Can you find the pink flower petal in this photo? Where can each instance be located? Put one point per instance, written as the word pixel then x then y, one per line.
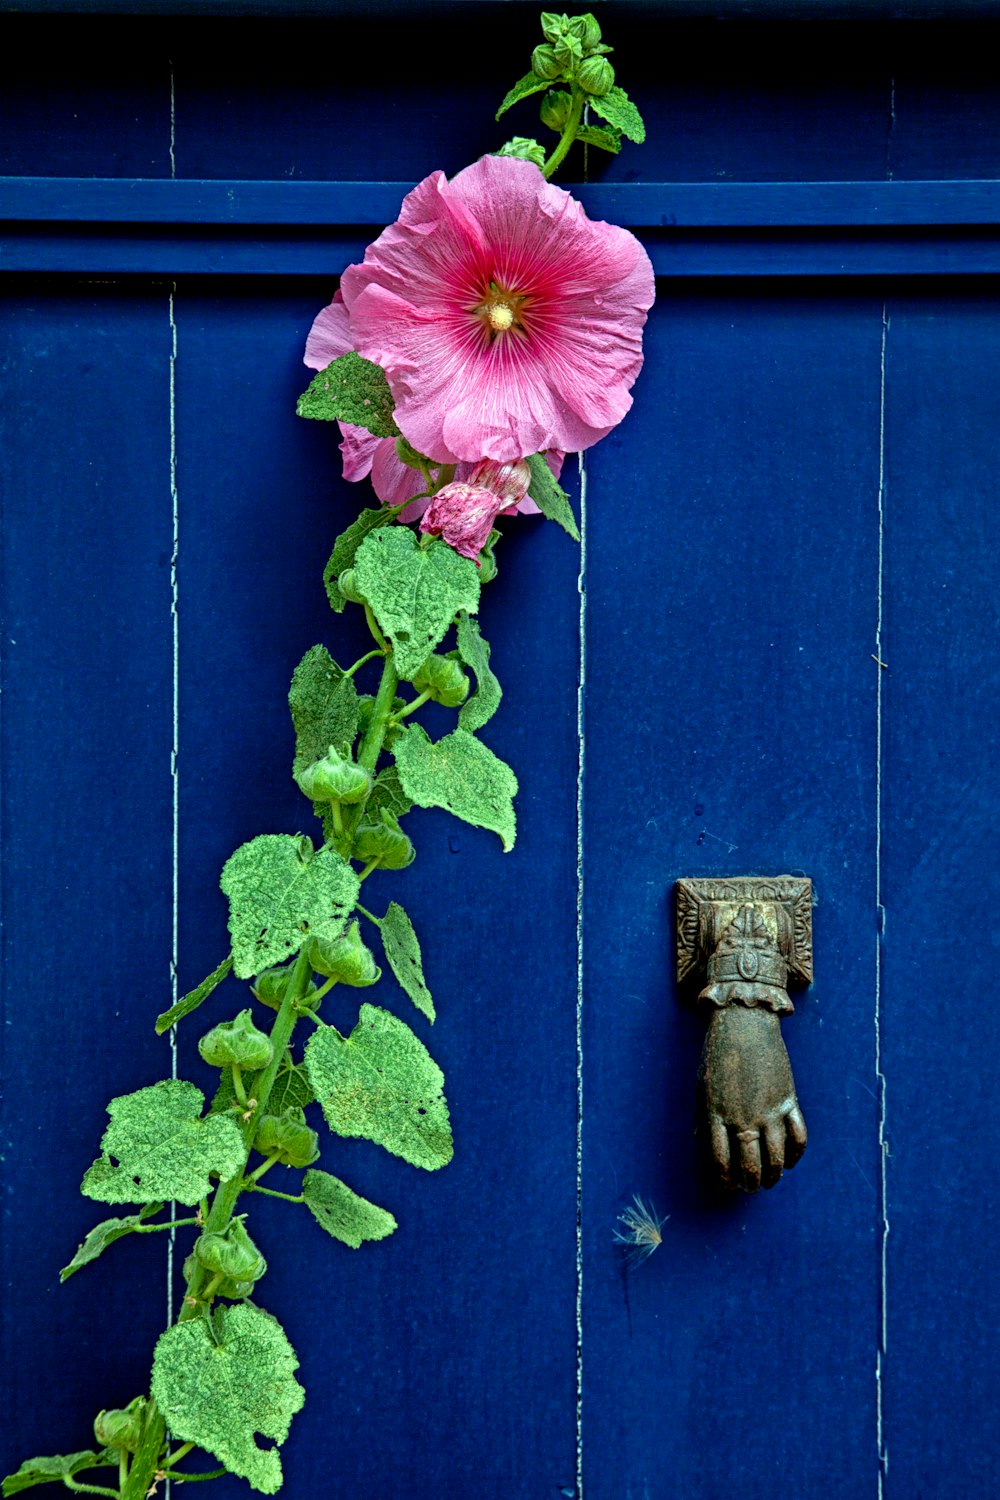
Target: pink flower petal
pixel 330 335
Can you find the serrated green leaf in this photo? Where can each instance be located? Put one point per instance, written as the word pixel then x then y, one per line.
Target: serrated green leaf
pixel 162 1148
pixel 402 949
pixel 475 652
pixel 414 591
pixel 54 1469
pixel 617 108
pixel 324 705
pixel 104 1234
pixel 343 1213
pixel 194 998
pixel 523 89
pixel 594 135
pixel 381 1083
pixel 346 546
pixel 281 892
pixel 219 1387
pixel 461 774
pixel 551 499
pixel 387 795
pixel 351 389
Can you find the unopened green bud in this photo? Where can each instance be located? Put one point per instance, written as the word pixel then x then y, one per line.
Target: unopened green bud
pixel 347 585
pixel 596 76
pixel 121 1427
pixel 586 30
pixel 525 148
pixel 544 62
pixel 444 680
pixel 385 842
pixel 233 1253
pixel 568 52
pixel 236 1044
pixel 555 108
pixel 554 25
pixel 335 778
pixel 409 456
pixel 235 1288
pixel 287 1137
pixel 345 958
pixel 269 988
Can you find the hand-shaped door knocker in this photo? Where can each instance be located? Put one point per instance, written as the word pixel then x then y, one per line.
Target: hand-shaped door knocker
pixel 748 937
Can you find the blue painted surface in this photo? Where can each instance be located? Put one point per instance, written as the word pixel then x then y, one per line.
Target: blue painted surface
pixel 799 449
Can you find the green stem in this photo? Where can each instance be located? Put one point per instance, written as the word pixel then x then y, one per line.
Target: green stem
pixel 238 1088
pixel 411 708
pixel 338 816
pixel 369 867
pixel 324 989
pixel 445 475
pixel 88 1489
pixel 227 1193
pixel 361 661
pixel 568 136
pixel 175 1457
pixel 273 1193
pixel 255 1176
pixel 373 627
pixel 122 1469
pixel 212 1474
pixel 170 1224
pixel 365 913
pixel 371 745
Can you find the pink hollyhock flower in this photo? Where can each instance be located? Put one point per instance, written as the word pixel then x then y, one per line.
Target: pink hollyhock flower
pixel 393 481
pixel 506 321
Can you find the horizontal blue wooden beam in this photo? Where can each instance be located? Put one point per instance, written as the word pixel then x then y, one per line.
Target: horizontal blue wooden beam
pixel 119 251
pixel 162 227
pixel 103 200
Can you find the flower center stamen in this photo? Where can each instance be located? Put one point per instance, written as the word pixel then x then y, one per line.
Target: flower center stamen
pixel 500 316
pixel 501 311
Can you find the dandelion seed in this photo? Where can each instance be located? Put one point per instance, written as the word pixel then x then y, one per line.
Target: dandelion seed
pixel 642 1230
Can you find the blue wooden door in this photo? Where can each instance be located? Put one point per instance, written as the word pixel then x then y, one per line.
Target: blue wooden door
pixel 774 652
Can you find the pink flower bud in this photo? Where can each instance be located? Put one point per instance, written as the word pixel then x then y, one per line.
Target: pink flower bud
pixel 463 515
pixel 508 481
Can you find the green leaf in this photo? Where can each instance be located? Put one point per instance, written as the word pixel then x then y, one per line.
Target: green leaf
pixel 280 893
pixel 291 1090
pixel 415 591
pixel 402 949
pixel 219 1384
pixel 381 1083
pixel 324 705
pixel 387 794
pixel 475 652
pixel 162 1148
pixel 551 499
pixel 346 546
pixel 196 997
pixel 523 89
pixel 104 1234
pixel 461 774
pixel 594 135
pixel 342 1212
pixel 617 108
pixel 351 389
pixel 52 1470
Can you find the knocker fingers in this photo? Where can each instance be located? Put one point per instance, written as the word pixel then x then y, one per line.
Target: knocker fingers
pixel 795 1126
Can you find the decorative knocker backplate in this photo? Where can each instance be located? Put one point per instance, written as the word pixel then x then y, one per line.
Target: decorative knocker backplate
pixel 747 938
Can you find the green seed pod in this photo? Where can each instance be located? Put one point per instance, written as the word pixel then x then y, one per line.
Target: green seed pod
pixel 121 1427
pixel 596 76
pixel 232 1252
pixel 346 959
pixel 384 841
pixel 347 584
pixel 554 25
pixel 288 1137
pixel 444 680
pixel 555 108
pixel 236 1044
pixel 586 30
pixel 544 62
pixel 525 148
pixel 335 778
